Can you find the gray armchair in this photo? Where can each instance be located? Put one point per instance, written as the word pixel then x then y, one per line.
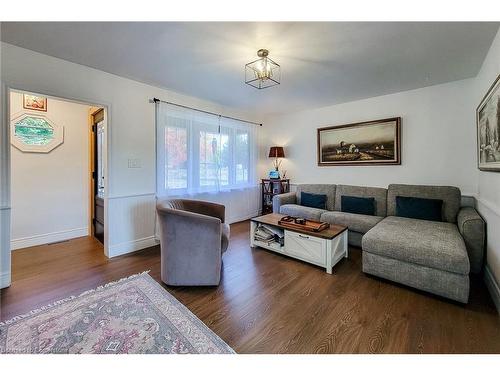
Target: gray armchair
pixel 193 237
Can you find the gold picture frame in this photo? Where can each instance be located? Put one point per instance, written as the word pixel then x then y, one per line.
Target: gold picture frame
pixel 376 142
pixel 35 102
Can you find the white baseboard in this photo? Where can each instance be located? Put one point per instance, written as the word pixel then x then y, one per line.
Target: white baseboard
pixel 492 286
pixel 5 280
pixel 131 246
pixel 42 239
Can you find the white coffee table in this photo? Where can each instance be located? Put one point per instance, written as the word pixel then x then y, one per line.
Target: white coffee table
pixel 324 249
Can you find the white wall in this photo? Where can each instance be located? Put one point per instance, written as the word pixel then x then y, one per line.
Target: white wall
pixel 489 182
pixel 438 139
pixel 131 131
pixel 50 192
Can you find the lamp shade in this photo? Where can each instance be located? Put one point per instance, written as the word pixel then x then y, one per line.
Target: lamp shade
pixel 276 152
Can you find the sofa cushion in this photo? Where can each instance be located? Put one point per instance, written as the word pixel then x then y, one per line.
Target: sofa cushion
pixel 355 222
pixel 448 194
pixel 301 211
pixel 358 205
pixel 313 200
pixel 443 283
pixel 380 195
pixel 419 208
pixel 225 232
pixel 428 243
pixel 327 189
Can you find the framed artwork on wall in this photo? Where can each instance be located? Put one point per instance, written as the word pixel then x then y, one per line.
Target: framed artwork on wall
pixel 35 133
pixel 33 102
pixel 488 129
pixel 375 142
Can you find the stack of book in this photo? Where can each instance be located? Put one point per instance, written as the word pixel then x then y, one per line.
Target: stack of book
pixel 269 234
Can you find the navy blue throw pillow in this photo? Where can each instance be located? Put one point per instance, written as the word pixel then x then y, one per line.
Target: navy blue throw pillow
pixel 313 200
pixel 419 208
pixel 357 205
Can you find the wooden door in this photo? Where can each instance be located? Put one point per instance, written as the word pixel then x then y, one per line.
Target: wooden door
pixel 98 175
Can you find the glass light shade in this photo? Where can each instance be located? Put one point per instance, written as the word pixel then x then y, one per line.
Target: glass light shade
pixel 262 73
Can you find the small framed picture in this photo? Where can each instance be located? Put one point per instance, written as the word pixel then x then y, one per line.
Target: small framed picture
pixel 33 102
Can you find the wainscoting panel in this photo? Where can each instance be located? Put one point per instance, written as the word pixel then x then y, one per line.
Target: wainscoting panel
pixel 4 247
pixel 131 223
pixel 492 286
pixel 491 214
pixel 241 204
pixel 131 219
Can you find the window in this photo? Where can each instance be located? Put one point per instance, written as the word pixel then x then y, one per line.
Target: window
pixel 198 152
pixel 210 158
pixel 176 157
pixel 242 160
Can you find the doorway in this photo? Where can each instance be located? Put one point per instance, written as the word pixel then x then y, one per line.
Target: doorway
pixel 44 212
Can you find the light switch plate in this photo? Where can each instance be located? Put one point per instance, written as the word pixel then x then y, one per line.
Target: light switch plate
pixel 134 163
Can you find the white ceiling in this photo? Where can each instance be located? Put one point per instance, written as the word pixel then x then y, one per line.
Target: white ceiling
pixel 322 63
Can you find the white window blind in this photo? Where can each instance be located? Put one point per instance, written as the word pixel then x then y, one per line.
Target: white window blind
pixel 199 152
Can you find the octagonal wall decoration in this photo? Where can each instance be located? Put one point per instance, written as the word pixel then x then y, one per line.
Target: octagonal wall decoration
pixel 35 133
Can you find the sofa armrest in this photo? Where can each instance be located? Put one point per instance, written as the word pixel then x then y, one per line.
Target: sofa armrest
pixel 281 199
pixel 472 228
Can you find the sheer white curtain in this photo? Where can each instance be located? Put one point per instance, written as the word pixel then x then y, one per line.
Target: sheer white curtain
pixel 199 152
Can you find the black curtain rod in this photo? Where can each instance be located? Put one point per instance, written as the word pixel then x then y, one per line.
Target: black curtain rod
pixel 156 100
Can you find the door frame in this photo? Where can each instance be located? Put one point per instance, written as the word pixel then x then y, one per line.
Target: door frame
pixel 5 168
pixel 93 183
pixel 5 262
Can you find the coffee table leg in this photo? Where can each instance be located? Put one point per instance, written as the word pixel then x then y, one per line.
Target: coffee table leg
pixel 345 238
pixel 336 249
pixel 329 255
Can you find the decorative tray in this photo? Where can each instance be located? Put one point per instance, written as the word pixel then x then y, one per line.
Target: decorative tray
pixel 308 225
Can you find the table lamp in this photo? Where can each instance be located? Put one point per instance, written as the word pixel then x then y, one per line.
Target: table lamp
pixel 276 152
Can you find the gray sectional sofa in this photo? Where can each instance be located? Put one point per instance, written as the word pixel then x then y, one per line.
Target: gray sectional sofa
pixel 433 256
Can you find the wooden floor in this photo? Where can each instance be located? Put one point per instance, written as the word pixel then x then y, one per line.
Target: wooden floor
pixel 268 303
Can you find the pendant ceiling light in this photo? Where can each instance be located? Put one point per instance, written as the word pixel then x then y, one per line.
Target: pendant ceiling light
pixel 262 73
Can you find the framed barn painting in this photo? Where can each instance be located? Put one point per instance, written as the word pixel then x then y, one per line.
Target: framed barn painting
pixel 488 129
pixel 33 102
pixel 375 142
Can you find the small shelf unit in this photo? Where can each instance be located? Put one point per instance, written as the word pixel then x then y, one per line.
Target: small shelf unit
pixel 270 188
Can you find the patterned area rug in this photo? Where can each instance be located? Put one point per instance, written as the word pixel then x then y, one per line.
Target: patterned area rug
pixel 132 315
